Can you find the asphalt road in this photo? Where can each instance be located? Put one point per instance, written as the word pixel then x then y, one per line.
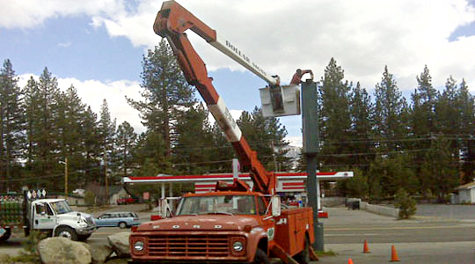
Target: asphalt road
pixel 425 239
pixel 354 226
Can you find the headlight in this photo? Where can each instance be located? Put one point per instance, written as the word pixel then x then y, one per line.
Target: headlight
pixel 138 246
pixel 237 246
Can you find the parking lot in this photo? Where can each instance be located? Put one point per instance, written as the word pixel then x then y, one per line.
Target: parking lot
pixel 424 239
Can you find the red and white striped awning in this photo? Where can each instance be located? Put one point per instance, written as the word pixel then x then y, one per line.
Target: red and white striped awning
pixel 286 181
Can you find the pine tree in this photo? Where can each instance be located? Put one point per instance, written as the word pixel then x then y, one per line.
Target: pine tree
pixel 69 122
pixel 466 103
pixel 166 93
pixel 106 131
pixel 334 115
pixel 389 114
pixel 191 153
pixel 126 141
pixel 361 128
pixel 266 136
pixel 92 147
pixel 220 151
pixel 11 123
pixel 44 130
pixel 439 171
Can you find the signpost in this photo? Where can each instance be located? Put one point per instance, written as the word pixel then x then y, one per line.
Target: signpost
pixel 283 101
pixel 310 150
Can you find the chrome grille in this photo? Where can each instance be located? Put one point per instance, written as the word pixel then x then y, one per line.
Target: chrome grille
pixel 187 245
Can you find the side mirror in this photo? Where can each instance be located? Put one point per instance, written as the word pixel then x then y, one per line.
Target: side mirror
pixel 276 210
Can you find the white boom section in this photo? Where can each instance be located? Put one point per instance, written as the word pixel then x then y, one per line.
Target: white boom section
pixel 234 53
pixel 224 119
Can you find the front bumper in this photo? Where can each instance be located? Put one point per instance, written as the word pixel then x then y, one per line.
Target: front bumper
pixel 86 230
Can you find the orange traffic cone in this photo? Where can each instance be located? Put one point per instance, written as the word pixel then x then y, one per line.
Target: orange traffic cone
pixel 350 261
pixel 394 256
pixel 365 247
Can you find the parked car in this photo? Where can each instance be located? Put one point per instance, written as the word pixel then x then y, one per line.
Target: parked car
pixel 128 200
pixel 120 219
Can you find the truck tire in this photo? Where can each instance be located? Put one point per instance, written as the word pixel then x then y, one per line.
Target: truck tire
pixel 122 225
pixel 6 235
pixel 67 232
pixel 304 256
pixel 261 257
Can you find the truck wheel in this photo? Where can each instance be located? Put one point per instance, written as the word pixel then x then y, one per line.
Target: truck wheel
pixel 304 256
pixel 261 257
pixel 6 235
pixel 122 225
pixel 67 232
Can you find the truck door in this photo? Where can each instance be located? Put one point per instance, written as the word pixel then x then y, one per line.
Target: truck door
pixel 43 217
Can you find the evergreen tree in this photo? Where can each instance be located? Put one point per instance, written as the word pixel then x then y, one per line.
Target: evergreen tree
pixel 92 147
pixel 466 103
pixel 221 151
pixel 361 128
pixel 439 171
pixel 389 114
pixel 446 109
pixel 166 93
pixel 194 138
pixel 32 98
pixel 69 122
pixel 423 118
pixel 106 131
pixel 44 130
pixel 266 136
pixel 150 153
pixel 423 110
pixel 335 115
pixel 126 141
pixel 11 123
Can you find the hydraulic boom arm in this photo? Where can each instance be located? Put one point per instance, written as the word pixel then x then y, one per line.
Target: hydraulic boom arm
pixel 171 22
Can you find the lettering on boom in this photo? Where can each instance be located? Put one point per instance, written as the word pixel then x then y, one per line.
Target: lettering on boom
pixel 244 57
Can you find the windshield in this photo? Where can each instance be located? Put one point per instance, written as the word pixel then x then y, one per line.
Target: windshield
pixel 61 207
pixel 223 204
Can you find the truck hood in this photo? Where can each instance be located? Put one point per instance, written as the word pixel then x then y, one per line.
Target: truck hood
pixel 74 217
pixel 200 223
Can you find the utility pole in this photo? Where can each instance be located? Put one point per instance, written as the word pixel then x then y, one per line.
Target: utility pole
pixel 106 182
pixel 65 163
pixel 66 178
pixel 310 149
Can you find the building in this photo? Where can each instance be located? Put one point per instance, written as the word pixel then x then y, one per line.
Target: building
pixel 466 193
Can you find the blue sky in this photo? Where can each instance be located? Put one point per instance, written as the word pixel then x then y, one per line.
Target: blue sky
pixel 98 45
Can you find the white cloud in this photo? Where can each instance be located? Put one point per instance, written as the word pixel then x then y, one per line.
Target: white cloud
pixel 282 35
pixel 92 92
pixel 65 44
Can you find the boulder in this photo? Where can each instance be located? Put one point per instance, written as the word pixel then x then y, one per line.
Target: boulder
pixel 120 243
pixel 55 250
pixel 99 252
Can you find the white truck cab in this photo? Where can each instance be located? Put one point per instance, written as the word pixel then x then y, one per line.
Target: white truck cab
pixel 56 217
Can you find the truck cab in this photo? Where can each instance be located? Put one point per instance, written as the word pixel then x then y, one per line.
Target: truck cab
pixel 51 216
pixel 56 217
pixel 219 226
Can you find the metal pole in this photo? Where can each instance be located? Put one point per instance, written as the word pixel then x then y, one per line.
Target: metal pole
pixel 66 178
pixel 310 149
pixel 106 182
